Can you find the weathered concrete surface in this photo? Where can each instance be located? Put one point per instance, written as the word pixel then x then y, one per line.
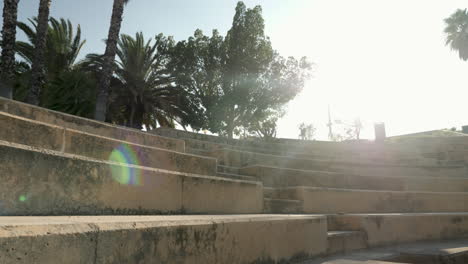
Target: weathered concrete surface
pixel 330 201
pixel 391 229
pixel 282 177
pixel 89 126
pixel 377 156
pixel 444 252
pixel 162 239
pixel 341 242
pixel 282 206
pixel 39 182
pixel 236 158
pixel 306 147
pixel 42 135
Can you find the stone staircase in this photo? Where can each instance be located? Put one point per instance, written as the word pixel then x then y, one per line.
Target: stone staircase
pixel 79 191
pixel 372 195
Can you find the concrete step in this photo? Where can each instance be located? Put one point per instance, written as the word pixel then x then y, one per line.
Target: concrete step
pixel 268 192
pixel 342 242
pixel 89 126
pixel 282 206
pixel 331 201
pixel 453 252
pixel 391 229
pixel 331 149
pixel 44 182
pixel 235 239
pixel 236 177
pixel 231 170
pixel 282 177
pixel 244 159
pixel 199 152
pixel 42 135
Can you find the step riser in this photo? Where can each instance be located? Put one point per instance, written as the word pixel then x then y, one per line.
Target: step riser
pixel 345 201
pixel 223 242
pixel 346 243
pixel 383 230
pixel 278 177
pixel 27 132
pixel 273 206
pixel 38 183
pixel 230 170
pixel 89 126
pixel 236 177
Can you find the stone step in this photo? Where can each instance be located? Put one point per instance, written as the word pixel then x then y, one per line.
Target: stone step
pixel 236 176
pixel 244 159
pixel 434 252
pixel 332 201
pixel 391 229
pixel 342 242
pixel 44 182
pixel 89 126
pixel 37 134
pixel 235 239
pixel 268 192
pixel 307 147
pixel 231 170
pixel 199 152
pixel 282 206
pixel 281 177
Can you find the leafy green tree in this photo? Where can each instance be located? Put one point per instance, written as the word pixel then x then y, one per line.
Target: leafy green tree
pixel 456 30
pixel 240 79
pixel 37 66
pixel 197 66
pixel 306 131
pixel 108 59
pixel 352 130
pixel 10 15
pixel 266 129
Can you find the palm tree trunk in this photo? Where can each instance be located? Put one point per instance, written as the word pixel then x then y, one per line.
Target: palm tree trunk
pixel 37 68
pixel 10 16
pixel 109 56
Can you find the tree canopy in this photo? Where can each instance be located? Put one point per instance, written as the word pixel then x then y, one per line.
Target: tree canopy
pixel 229 84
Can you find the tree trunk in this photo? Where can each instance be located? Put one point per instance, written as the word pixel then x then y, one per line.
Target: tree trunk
pixel 108 63
pixel 10 16
pixel 37 68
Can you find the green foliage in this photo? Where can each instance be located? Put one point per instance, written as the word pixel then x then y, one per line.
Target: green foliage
pixel 63 45
pixel 67 89
pixel 228 85
pixel 72 92
pixel 306 131
pixel 349 130
pixel 144 91
pixel 240 79
pixel 457 32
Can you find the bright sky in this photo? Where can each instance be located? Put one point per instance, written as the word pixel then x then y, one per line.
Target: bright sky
pixel 380 60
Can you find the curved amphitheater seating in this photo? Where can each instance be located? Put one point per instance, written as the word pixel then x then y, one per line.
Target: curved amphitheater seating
pixel 372 194
pixel 79 191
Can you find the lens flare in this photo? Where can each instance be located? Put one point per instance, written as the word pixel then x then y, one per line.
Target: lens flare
pixel 22 198
pixel 126 175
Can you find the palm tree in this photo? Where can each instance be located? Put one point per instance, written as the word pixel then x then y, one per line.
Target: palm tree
pixel 144 91
pixel 108 59
pixel 62 47
pixel 10 15
pixel 67 88
pixel 457 32
pixel 37 69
